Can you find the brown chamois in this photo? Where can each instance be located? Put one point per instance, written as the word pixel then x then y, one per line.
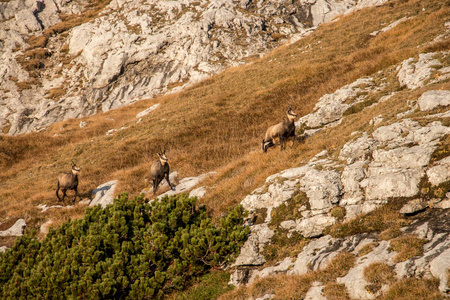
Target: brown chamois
pixel 282 131
pixel 68 181
pixel 160 170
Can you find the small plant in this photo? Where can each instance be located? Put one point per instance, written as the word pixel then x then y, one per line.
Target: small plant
pixel 413 288
pixel 335 291
pixel 390 233
pixel 367 249
pixel 407 247
pixel 375 221
pixel 290 210
pixel 378 274
pixel 338 212
pixel 282 246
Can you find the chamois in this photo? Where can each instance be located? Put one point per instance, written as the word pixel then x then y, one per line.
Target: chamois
pixel 68 181
pixel 282 130
pixel 160 170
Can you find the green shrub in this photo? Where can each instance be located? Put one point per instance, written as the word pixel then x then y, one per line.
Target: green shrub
pixel 130 249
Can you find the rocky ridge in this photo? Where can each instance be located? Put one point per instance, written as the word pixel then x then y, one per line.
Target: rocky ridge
pixel 133 50
pixel 395 159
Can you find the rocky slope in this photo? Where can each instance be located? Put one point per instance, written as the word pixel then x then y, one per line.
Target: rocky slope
pixel 402 157
pixel 56 65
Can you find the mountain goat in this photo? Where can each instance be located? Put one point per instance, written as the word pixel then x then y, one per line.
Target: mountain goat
pixel 282 131
pixel 68 181
pixel 160 170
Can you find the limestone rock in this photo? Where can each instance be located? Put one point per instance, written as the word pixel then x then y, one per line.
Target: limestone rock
pixel 440 172
pixel 15 230
pixel 413 206
pixel 250 253
pixel 198 192
pixel 314 226
pixel 104 194
pixel 280 267
pixel 147 111
pixel 46 226
pixel 354 280
pixel 331 107
pixel 315 292
pixel 323 188
pixel 185 184
pixel 136 50
pixel 439 267
pixel 432 99
pixel 413 73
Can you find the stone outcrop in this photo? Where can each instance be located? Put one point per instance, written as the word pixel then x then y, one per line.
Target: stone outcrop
pixel 104 194
pixel 15 230
pixel 135 50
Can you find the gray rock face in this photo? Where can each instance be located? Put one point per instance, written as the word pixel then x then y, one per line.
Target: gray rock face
pixel 136 50
pixel 354 280
pixel 432 99
pixel 413 206
pixel 15 230
pixel 440 172
pixel 104 194
pixel 323 188
pixel 414 73
pixel 331 107
pixel 250 252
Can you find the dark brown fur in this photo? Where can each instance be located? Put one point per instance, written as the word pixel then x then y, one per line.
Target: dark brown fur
pixel 159 170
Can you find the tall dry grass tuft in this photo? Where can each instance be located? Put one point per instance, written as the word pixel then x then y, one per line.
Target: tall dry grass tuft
pixel 413 288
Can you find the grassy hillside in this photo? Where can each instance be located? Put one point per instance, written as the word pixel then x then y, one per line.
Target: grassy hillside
pixel 218 124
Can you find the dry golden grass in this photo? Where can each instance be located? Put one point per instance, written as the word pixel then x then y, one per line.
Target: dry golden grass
pixel 414 288
pixel 218 124
pixel 407 247
pixel 293 286
pixel 378 274
pixel 334 291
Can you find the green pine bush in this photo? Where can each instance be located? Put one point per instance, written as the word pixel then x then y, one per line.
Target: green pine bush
pixel 131 249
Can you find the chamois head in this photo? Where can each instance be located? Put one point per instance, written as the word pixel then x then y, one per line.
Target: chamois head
pixel 75 168
pixel 290 113
pixel 162 156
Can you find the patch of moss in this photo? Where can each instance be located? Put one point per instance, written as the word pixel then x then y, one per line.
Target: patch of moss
pixel 338 212
pixel 284 244
pixel 290 209
pixel 375 221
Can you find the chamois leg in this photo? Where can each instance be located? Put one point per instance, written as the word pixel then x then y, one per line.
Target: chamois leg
pixel 155 186
pixel 172 187
pixel 268 145
pixel 281 143
pixel 293 140
pixel 57 190
pixel 75 197
pixel 64 194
